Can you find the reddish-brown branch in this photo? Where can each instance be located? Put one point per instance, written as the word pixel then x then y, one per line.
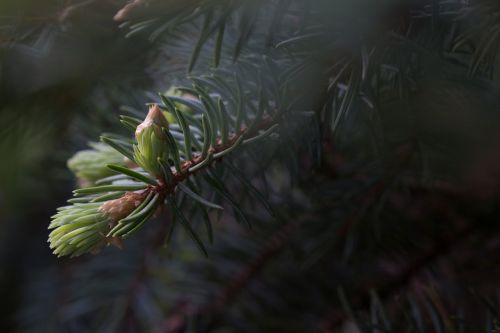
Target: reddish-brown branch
pixel 166 188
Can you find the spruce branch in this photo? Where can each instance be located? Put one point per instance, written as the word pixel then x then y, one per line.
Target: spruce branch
pixel 181 149
pixel 157 153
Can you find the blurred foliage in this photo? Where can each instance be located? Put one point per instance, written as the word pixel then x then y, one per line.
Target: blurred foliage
pixel 373 207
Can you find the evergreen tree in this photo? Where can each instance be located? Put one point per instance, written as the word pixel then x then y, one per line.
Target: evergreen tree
pixel 275 166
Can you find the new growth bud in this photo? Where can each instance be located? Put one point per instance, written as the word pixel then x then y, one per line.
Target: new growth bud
pixel 90 165
pixel 154 117
pixel 174 91
pixel 82 228
pixel 152 142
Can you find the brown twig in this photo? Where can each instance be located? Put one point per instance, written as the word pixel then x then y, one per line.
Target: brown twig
pixel 166 188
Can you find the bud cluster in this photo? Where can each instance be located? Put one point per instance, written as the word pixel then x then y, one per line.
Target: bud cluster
pixel 82 228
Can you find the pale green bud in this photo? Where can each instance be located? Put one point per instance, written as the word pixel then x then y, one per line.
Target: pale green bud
pixel 151 141
pixel 82 228
pixel 174 91
pixel 90 165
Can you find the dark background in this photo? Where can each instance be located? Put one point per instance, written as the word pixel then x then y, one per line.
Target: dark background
pixel 65 71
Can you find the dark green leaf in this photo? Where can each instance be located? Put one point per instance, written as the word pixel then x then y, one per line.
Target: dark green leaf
pixel 118 147
pixel 133 174
pixel 207 133
pixel 219 187
pixel 174 150
pixel 108 196
pixel 218 44
pixel 197 197
pixel 186 225
pixel 109 188
pixel 256 193
pixel 167 172
pixel 224 119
